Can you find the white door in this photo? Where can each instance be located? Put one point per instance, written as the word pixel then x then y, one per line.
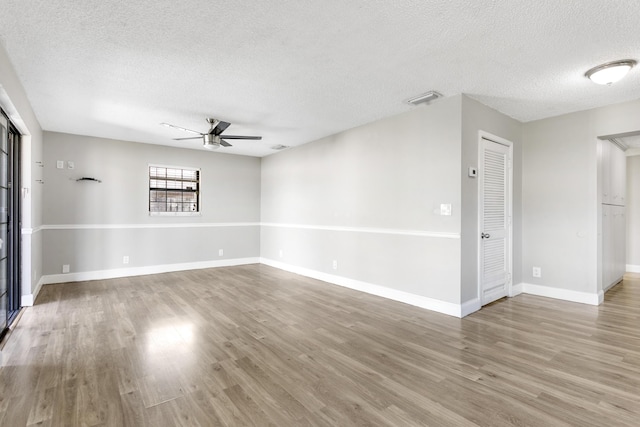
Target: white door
pixel 495 220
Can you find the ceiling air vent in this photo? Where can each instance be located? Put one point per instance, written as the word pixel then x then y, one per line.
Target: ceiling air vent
pixel 279 147
pixel 424 98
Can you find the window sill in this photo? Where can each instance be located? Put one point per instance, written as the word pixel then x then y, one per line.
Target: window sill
pixel 175 214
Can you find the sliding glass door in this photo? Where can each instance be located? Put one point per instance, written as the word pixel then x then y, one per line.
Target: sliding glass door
pixel 9 222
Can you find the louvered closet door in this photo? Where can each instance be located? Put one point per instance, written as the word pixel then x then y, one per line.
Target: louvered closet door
pixel 494 221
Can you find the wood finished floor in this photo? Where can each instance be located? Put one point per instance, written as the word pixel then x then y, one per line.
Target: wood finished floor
pixel 253 345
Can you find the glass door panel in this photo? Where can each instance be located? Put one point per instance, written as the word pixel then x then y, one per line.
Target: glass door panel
pixel 4 223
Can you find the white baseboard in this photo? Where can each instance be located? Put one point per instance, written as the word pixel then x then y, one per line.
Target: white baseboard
pixel 469 307
pixel 563 294
pixel 29 299
pixel 443 307
pixel 633 268
pixel 516 289
pixel 141 271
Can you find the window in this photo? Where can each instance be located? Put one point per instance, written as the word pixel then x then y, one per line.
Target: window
pixel 174 190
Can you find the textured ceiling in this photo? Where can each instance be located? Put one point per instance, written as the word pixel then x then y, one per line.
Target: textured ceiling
pixel 296 71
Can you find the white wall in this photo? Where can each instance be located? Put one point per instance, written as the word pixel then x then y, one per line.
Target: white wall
pixel 560 198
pixel 91 226
pixel 633 213
pixel 14 101
pixel 367 198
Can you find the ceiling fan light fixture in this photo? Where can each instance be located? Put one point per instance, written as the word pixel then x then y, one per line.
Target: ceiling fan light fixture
pixel 610 72
pixel 211 142
pixel 211 146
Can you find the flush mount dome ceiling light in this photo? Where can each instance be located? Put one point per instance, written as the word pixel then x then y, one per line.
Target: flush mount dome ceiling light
pixel 610 72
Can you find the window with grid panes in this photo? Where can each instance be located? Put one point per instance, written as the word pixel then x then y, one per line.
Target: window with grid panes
pixel 174 190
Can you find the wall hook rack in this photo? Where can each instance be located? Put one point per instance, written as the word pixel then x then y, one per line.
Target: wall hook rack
pixel 88 178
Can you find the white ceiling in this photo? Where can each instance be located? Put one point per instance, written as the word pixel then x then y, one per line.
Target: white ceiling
pixel 295 71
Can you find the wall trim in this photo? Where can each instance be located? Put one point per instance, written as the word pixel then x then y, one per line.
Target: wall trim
pixel 394 231
pixel 31 230
pixel 29 299
pixel 564 294
pixel 115 273
pixel 443 307
pixel 158 225
pixel 633 268
pixel 373 230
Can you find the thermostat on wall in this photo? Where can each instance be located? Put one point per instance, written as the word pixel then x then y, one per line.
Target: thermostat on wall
pixel 473 172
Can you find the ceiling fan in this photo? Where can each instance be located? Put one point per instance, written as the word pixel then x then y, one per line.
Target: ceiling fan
pixel 214 138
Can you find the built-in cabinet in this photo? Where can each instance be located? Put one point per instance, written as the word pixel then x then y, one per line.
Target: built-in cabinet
pixel 613 167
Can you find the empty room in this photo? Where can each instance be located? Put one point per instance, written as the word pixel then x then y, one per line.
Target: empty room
pixel 410 213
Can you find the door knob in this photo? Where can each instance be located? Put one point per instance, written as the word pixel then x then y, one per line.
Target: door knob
pixel 485 235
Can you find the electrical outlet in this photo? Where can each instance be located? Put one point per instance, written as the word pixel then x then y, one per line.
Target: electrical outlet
pixel 281 253
pixel 125 259
pixel 445 209
pixel 537 272
pixel 220 252
pixel 335 264
pixel 65 268
pixel 60 164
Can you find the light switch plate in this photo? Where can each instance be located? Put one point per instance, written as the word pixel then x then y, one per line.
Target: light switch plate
pixel 60 164
pixel 71 165
pixel 445 209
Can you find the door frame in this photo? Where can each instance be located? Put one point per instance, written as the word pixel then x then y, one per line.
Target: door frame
pixel 498 140
pixel 15 211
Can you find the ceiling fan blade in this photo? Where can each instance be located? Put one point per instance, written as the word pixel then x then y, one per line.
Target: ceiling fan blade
pixel 169 125
pixel 213 123
pixel 220 128
pixel 225 143
pixel 256 138
pixel 183 139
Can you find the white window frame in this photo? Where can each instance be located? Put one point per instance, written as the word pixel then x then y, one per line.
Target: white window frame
pixel 191 168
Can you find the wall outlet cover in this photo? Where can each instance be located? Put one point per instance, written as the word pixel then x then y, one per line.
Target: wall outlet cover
pixel 537 272
pixel 65 268
pixel 445 209
pixel 60 164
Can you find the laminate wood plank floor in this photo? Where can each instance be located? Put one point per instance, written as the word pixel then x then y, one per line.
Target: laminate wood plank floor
pixel 256 346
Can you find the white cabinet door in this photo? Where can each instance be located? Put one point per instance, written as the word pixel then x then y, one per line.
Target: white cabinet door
pixel 614 224
pixel 605 169
pixel 608 246
pixel 620 242
pixel 618 175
